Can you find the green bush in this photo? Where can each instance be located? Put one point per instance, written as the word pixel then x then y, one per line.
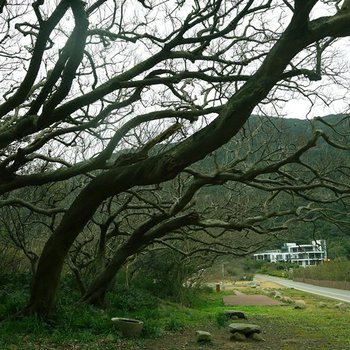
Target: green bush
pixel 222 319
pixel 173 324
pixel 131 299
pixel 246 277
pixel 279 269
pixel 331 271
pixel 165 275
pixel 14 293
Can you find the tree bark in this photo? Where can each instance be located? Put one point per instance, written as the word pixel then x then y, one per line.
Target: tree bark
pixel 46 279
pixel 96 293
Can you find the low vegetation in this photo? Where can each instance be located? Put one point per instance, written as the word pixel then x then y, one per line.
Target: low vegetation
pixel 166 322
pixel 330 271
pixel 335 270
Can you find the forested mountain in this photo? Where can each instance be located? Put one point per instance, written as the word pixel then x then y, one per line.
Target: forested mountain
pixel 272 137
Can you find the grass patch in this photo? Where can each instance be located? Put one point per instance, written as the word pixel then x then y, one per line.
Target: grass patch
pixel 317 327
pixel 84 327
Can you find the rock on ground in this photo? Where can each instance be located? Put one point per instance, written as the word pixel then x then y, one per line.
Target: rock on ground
pixel 341 306
pixel 287 300
pixel 299 304
pixel 238 336
pixel 278 295
pixel 203 337
pixel 244 328
pixel 253 284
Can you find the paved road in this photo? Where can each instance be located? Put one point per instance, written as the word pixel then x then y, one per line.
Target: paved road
pixel 339 294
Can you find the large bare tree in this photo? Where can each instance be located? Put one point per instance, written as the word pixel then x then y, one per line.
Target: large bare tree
pixel 85 81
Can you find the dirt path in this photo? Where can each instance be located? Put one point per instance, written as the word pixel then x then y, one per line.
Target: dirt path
pixel 245 299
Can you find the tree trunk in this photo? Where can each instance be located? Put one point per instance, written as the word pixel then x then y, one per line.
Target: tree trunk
pixel 144 236
pixel 45 282
pixel 46 279
pixel 96 293
pixel 159 168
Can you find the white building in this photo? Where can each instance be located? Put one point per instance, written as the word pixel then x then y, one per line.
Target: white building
pixel 301 254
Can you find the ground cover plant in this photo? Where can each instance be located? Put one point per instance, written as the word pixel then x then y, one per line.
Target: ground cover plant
pixel 169 325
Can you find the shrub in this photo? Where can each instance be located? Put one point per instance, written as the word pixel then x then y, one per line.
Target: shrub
pixel 331 271
pixel 165 275
pixel 131 299
pixel 222 319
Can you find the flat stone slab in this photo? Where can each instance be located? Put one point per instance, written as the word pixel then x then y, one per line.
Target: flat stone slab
pixel 245 299
pixel 244 328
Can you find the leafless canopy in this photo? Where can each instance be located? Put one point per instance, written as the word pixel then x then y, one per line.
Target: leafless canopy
pixel 131 93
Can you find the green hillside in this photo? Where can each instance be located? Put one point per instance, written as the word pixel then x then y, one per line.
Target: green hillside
pixel 262 135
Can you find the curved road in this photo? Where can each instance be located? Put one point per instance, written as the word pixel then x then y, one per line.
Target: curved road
pixel 339 294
